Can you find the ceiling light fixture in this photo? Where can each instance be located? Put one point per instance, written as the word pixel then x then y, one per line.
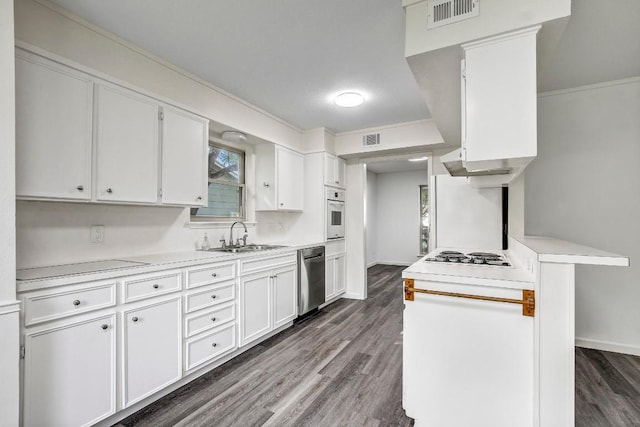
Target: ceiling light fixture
pixel 349 99
pixel 233 136
pixel 418 159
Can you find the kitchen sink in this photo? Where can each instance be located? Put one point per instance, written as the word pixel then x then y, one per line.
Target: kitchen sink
pixel 248 248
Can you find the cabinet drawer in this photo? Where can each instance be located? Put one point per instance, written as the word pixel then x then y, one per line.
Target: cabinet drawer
pixel 141 287
pixel 262 263
pixel 210 274
pixel 211 296
pixel 199 322
pixel 206 348
pixel 44 306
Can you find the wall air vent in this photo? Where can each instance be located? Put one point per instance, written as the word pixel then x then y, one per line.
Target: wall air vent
pixel 371 139
pixel 443 12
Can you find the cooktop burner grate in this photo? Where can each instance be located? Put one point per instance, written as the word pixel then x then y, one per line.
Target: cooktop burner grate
pixel 472 258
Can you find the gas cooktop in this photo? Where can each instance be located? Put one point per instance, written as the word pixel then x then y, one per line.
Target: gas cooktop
pixel 471 258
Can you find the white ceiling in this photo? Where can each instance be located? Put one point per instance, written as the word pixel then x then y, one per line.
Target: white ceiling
pixel 287 56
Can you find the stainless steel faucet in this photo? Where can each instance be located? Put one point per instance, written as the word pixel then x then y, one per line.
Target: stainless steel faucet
pixel 244 238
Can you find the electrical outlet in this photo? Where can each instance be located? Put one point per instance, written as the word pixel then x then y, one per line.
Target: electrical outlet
pixel 97 234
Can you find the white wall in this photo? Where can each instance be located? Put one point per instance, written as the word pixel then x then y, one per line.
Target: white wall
pixel 356 286
pixel 371 218
pixel 466 217
pixel 8 307
pixel 584 187
pixel 398 216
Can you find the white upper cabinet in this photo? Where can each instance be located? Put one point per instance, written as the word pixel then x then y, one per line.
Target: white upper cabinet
pixel 82 138
pixel 54 107
pixel 184 158
pixel 126 146
pixel 290 179
pixel 334 170
pixel 279 179
pixel 499 121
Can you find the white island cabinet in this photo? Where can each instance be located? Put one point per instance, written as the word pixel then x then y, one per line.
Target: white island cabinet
pixel 494 346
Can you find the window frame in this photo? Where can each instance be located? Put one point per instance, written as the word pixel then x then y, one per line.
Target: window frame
pixel 241 185
pixel 428 226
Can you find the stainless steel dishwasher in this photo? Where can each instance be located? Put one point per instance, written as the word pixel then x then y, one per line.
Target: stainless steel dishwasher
pixel 310 279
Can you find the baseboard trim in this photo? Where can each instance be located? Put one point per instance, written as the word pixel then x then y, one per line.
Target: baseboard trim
pixel 353 296
pixel 371 264
pixel 608 346
pixel 402 263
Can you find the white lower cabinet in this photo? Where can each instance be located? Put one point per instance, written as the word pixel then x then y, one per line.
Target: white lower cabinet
pixel 255 306
pixel 285 296
pixel 151 349
pixel 268 300
pixel 206 347
pixel 334 276
pixel 69 372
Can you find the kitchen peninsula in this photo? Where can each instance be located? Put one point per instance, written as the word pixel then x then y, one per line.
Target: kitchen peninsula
pixel 497 341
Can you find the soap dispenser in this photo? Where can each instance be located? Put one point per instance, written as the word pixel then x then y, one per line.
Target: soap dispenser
pixel 205 243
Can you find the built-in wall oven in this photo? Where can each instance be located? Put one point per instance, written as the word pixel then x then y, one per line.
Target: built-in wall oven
pixel 335 214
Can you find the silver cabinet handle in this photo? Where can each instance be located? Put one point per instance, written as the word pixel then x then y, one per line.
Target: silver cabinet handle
pixel 80 188
pixel 281 204
pixel 214 345
pixel 214 275
pixel 265 184
pixel 76 302
pixel 156 286
pixel 199 198
pixel 109 190
pixel 134 319
pixel 213 319
pixel 337 182
pixel 213 296
pixel 105 326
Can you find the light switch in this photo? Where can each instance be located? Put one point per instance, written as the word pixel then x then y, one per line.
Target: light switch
pixel 97 234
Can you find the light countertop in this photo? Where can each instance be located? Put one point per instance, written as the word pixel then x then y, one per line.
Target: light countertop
pixel 561 251
pixel 505 277
pixel 70 274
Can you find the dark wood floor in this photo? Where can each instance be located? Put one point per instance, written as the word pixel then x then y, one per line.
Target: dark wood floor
pixel 343 367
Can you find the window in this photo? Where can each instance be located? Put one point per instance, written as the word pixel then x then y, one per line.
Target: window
pixel 226 184
pixel 424 219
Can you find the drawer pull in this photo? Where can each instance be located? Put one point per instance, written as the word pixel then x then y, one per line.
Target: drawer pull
pixel 76 302
pixel 80 188
pixel 134 319
pixel 213 296
pixel 105 326
pixel 214 275
pixel 156 286
pixel 213 319
pixel 214 345
pixel 109 190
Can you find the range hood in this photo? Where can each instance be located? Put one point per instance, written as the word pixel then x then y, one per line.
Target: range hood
pixel 455 166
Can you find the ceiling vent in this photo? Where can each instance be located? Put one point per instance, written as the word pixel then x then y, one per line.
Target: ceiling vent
pixel 371 139
pixel 444 12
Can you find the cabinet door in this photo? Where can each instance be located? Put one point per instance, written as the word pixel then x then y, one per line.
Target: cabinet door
pixel 152 349
pixel 184 158
pixel 340 274
pixel 340 172
pixel 330 278
pixel 500 113
pixel 329 169
pixel 289 179
pixel 285 306
pixel 69 373
pixel 54 107
pixel 255 306
pixel 127 146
